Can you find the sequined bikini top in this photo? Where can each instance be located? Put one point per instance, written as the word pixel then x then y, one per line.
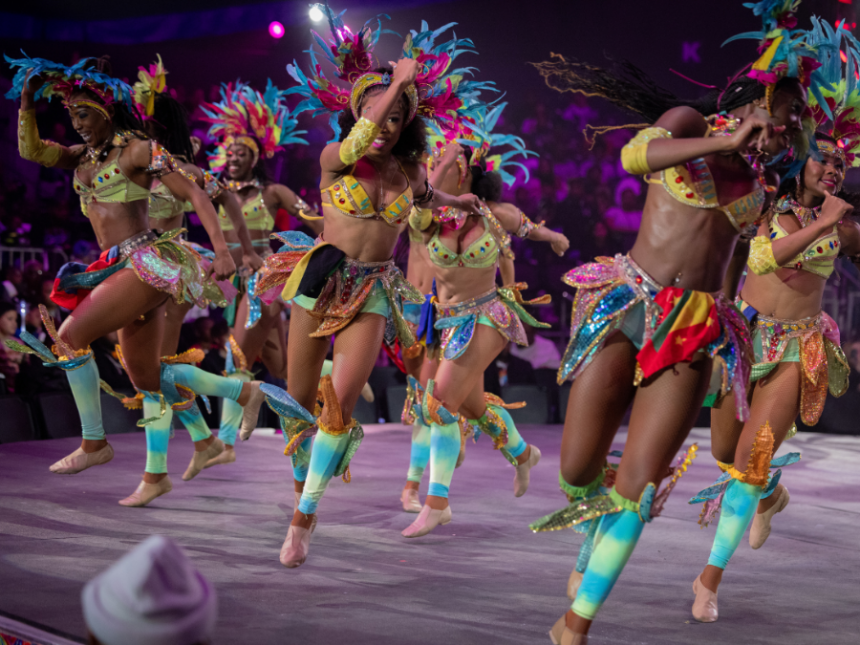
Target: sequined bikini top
pixel 480 254
pixel 349 198
pixel 817 258
pixel 111 185
pixel 257 217
pixel 692 184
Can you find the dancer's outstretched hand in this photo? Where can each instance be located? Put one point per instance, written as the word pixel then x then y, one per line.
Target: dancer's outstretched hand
pixel 753 135
pixel 223 266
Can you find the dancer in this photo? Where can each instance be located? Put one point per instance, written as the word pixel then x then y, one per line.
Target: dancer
pixel 251 127
pixel 796 344
pixel 468 302
pixel 370 179
pixel 647 327
pixel 138 271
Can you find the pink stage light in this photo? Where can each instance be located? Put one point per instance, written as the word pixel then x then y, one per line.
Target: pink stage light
pixel 276 29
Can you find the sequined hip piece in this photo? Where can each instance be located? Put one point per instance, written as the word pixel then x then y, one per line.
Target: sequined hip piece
pixel 501 308
pixel 811 342
pixel 137 242
pixel 672 325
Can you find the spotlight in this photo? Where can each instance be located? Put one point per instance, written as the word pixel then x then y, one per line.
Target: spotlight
pixel 316 13
pixel 276 29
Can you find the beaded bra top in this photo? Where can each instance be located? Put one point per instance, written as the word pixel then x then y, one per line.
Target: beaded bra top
pixel 817 258
pixel 112 186
pixel 348 197
pixel 693 184
pixel 480 254
pixel 257 217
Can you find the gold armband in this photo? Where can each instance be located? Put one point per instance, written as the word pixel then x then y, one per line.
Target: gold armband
pixel 359 140
pixel 420 218
pixel 304 210
pixel 634 156
pixel 30 146
pixel 761 260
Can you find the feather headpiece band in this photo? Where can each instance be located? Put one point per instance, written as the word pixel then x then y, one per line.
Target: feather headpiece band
pixel 246 116
pixel 65 81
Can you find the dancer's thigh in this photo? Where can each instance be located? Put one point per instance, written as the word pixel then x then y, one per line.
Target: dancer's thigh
pixel 305 357
pixel 456 379
pixel 356 349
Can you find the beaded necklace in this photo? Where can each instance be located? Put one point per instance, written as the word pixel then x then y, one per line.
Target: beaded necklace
pixel 236 186
pixel 804 214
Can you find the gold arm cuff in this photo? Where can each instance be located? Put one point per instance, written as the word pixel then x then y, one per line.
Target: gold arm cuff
pixel 761 260
pixel 359 140
pixel 30 146
pixel 420 218
pixel 634 156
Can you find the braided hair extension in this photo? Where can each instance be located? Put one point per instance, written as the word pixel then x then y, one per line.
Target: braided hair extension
pixel 171 121
pixel 631 89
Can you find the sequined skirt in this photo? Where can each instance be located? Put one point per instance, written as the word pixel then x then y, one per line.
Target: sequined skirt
pixel 813 343
pixel 501 307
pixel 341 285
pixel 165 262
pixel 672 325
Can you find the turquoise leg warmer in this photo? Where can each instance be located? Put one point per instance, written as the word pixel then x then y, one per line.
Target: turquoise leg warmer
pixel 444 450
pixel 231 415
pixel 420 454
pixel 616 538
pixel 195 424
pixel 157 434
pixel 515 445
pixel 84 381
pixel 328 450
pixel 738 507
pixel 202 382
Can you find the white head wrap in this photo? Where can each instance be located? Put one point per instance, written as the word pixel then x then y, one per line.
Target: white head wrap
pixel 153 595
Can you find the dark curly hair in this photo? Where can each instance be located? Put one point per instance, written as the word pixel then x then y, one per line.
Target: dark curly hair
pixel 631 89
pixel 171 121
pixel 485 185
pixel 413 138
pixel 123 117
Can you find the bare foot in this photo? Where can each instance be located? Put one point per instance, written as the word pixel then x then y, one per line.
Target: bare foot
pixel 712 577
pixel 436 503
pixel 153 478
pixel 93 445
pixel 203 444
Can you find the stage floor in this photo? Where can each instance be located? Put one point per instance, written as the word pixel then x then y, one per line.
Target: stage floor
pixel 483 579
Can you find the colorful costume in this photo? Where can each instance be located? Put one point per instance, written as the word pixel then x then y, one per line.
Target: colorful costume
pixel 164 262
pixel 667 325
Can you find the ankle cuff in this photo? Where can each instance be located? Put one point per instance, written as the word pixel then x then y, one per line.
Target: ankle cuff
pixel 580 492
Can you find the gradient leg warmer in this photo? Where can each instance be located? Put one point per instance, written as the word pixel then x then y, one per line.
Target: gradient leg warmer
pixel 157 433
pixel 328 451
pixel 231 414
pixel 202 382
pixel 84 381
pixel 420 453
pixel 739 504
pixel 616 538
pixel 498 423
pixel 444 442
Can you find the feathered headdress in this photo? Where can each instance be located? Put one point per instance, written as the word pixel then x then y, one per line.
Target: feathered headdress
pixel 841 104
pixel 64 81
pixel 246 116
pixel 479 136
pixel 438 93
pixel 151 82
pixel 784 50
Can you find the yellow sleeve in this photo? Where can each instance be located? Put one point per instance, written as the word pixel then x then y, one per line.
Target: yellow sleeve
pixel 420 218
pixel 359 140
pixel 30 146
pixel 761 260
pixel 634 156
